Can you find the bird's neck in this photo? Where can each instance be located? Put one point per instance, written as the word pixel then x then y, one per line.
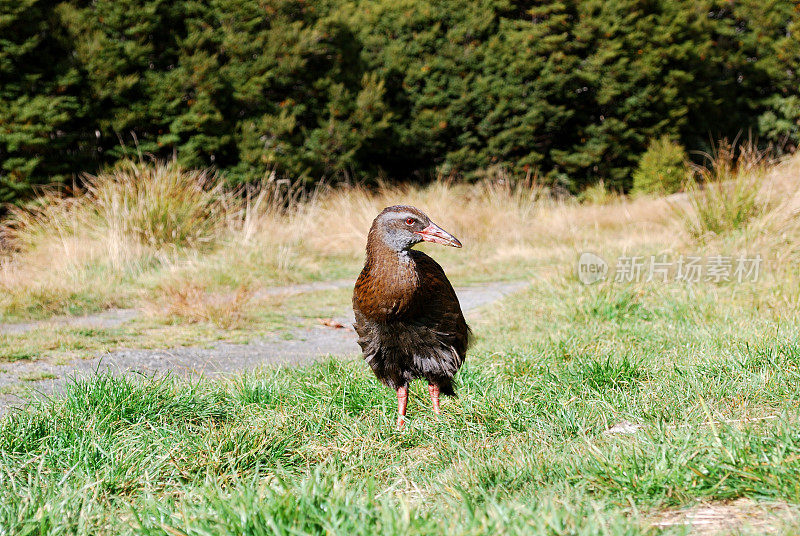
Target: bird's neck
pixel 394 273
pixel 382 257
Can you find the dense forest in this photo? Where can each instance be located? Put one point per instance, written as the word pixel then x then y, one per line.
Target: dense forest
pixel 572 90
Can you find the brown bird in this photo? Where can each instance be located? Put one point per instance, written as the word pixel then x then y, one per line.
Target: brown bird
pixel 408 318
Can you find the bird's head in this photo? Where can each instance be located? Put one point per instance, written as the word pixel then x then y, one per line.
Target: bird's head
pixel 400 227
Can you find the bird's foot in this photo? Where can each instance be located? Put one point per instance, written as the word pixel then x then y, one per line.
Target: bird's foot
pixel 402 403
pixel 433 390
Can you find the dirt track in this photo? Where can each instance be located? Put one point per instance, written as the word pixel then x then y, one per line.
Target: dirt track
pixel 303 346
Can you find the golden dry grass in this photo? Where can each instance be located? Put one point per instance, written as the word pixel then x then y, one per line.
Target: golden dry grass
pixel 728 192
pixel 164 238
pixel 188 301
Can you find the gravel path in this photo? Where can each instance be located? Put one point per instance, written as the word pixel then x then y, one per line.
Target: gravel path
pixel 116 317
pixel 107 319
pixel 300 347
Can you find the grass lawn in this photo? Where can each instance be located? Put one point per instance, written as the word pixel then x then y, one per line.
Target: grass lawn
pixel 603 409
pixel 711 386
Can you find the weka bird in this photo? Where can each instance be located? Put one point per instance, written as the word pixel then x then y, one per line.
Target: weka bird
pixel 408 318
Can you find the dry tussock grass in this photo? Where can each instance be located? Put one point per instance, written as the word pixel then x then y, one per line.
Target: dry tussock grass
pixel 779 228
pixel 187 301
pixel 497 222
pixel 163 235
pixel 727 192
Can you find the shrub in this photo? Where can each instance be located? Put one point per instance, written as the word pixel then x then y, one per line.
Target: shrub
pixel 662 169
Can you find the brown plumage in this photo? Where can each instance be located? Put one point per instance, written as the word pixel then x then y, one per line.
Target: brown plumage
pixel 408 318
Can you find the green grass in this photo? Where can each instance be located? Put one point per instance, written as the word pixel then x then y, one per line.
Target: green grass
pixel 38 376
pixel 714 384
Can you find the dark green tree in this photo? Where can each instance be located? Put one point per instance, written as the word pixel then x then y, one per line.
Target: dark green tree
pixel 357 89
pixel 128 48
pixel 42 137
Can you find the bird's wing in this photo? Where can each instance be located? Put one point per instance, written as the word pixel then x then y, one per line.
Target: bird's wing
pixel 438 306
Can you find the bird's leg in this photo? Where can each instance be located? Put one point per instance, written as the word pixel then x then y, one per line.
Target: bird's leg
pixel 434 392
pixel 402 402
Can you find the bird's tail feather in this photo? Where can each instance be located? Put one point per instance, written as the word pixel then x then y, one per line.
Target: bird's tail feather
pixel 446 388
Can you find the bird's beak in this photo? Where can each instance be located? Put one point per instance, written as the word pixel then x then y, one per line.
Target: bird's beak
pixel 434 233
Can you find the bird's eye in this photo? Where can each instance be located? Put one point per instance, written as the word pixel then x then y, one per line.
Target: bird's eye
pixel 409 221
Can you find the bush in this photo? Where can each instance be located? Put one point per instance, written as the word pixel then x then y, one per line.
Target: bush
pixel 662 169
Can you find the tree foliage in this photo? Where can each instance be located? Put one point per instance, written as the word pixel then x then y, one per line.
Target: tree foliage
pixel 40 99
pixel 662 168
pixel 572 90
